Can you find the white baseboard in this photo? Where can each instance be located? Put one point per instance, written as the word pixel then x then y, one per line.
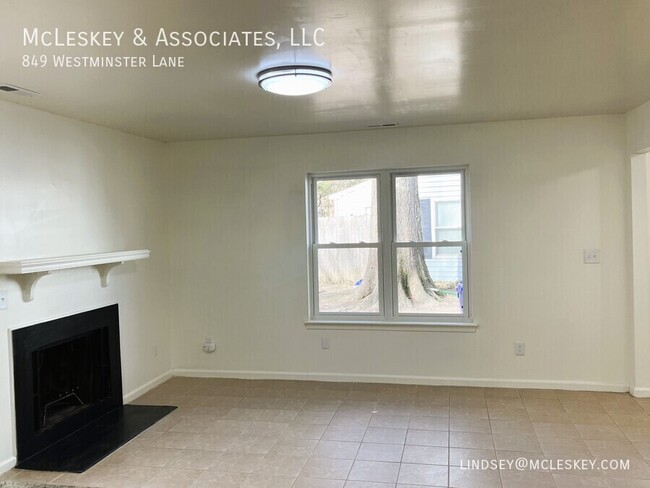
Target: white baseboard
pixel 403 379
pixel 132 395
pixel 7 464
pixel 640 392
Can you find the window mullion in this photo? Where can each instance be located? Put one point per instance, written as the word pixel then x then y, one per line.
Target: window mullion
pixel 386 238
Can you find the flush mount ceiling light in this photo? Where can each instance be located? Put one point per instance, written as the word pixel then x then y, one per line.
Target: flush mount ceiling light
pixel 294 80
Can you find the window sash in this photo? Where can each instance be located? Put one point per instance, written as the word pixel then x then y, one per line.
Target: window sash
pixel 313 203
pixel 343 245
pixel 414 317
pixel 386 254
pixel 316 285
pixel 393 175
pixel 315 246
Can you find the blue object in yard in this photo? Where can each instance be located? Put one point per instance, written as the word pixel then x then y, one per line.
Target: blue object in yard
pixel 359 282
pixel 459 292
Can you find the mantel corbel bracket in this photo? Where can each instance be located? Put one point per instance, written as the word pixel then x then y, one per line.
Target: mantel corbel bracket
pixel 104 269
pixel 27 283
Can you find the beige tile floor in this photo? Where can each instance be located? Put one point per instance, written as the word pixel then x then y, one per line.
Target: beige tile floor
pixel 248 434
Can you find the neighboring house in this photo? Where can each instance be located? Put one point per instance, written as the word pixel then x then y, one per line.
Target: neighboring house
pixel 441 214
pixel 355 200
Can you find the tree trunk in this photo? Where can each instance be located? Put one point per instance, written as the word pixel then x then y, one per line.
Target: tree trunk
pixel 369 283
pixel 414 281
pixel 412 272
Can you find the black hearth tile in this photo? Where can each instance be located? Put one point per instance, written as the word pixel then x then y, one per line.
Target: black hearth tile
pixel 89 445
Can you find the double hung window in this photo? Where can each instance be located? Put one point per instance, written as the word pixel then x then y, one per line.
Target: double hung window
pixel 389 246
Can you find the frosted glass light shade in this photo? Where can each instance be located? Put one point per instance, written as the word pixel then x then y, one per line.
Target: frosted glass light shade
pixel 294 80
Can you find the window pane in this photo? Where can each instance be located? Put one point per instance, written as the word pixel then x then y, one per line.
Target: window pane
pixel 430 286
pixel 452 235
pixel 348 280
pixel 448 214
pixel 412 223
pixel 347 210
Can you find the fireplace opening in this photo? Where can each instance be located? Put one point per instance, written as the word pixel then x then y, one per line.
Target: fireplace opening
pixel 69 377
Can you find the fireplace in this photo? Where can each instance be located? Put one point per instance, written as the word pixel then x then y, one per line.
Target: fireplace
pixel 68 392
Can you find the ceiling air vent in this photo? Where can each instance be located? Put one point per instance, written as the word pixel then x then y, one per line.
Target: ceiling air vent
pixel 16 90
pixel 382 126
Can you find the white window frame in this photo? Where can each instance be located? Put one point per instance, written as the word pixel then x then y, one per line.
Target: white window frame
pixel 386 246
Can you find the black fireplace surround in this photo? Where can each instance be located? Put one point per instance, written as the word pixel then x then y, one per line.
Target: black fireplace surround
pixel 68 392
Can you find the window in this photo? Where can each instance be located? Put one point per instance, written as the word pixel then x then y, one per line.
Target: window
pixel 388 246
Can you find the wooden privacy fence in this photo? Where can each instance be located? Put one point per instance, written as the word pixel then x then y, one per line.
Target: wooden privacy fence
pixel 344 266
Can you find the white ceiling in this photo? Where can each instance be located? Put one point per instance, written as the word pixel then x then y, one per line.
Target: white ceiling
pixel 412 62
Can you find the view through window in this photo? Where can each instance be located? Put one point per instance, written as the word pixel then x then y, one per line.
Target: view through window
pixel 389 246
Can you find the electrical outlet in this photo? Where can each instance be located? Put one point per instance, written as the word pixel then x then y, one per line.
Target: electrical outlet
pixel 324 343
pixel 3 300
pixel 209 345
pixel 520 348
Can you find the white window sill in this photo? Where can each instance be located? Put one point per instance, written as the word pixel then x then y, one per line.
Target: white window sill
pixel 392 326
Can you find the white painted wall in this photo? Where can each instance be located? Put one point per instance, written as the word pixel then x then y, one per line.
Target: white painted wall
pixel 638 129
pixel 68 187
pixel 541 192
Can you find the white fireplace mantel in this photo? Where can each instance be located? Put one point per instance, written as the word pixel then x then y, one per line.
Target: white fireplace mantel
pixel 28 271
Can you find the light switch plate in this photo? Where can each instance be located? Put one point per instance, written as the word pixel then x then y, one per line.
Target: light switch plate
pixel 3 300
pixel 591 256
